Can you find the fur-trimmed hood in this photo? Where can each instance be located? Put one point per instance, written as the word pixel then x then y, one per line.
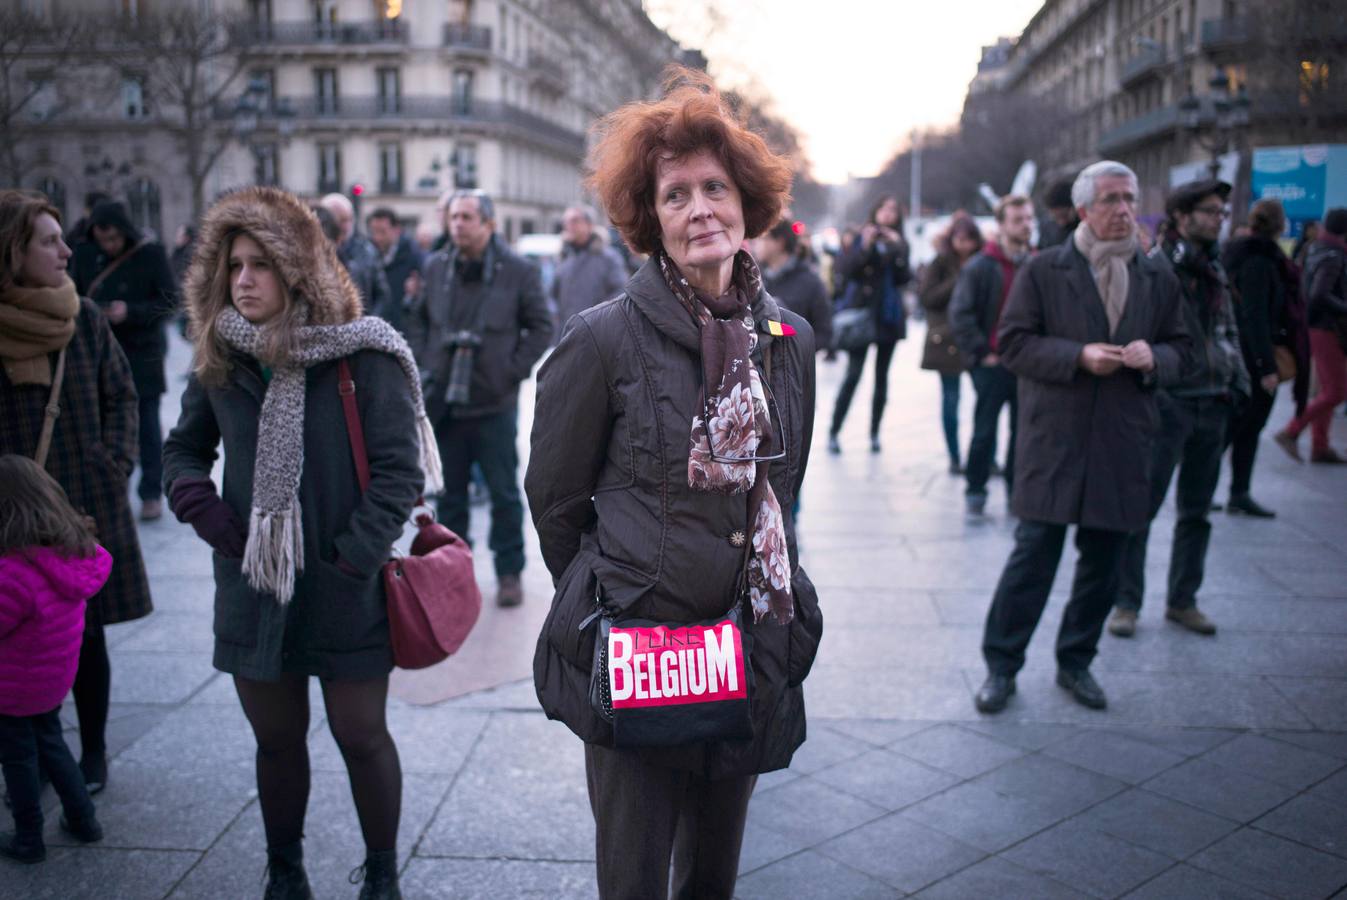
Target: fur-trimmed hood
pixel 289 233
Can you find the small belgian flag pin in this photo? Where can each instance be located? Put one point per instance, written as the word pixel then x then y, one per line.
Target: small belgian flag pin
pixel 779 329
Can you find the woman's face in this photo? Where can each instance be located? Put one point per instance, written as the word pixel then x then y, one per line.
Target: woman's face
pixel 963 243
pixel 701 218
pixel 887 214
pixel 254 286
pixel 43 262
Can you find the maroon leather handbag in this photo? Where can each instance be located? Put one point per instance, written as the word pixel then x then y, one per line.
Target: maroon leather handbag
pixel 432 594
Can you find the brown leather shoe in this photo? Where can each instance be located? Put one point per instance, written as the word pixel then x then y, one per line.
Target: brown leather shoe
pixel 1124 623
pixel 1192 619
pixel 151 510
pixel 510 591
pixel 1328 455
pixel 1288 444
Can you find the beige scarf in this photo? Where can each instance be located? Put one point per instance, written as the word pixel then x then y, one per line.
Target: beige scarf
pixel 1108 263
pixel 33 323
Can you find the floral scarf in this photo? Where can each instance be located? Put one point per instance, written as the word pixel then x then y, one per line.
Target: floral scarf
pixel 735 424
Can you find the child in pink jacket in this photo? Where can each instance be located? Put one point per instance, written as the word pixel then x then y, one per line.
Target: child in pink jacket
pixel 49 566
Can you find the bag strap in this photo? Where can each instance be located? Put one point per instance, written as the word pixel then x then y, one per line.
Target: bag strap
pixel 112 267
pixel 346 387
pixel 53 412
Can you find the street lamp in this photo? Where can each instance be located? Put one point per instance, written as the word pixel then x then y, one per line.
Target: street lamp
pixel 256 100
pixel 1230 115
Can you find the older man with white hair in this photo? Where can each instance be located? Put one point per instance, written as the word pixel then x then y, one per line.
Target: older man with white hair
pixel 590 271
pixel 361 259
pixel 1090 329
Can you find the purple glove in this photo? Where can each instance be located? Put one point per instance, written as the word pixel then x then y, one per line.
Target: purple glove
pixel 194 501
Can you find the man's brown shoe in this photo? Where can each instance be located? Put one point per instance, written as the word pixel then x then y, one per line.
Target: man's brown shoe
pixel 151 510
pixel 1123 624
pixel 1192 619
pixel 1328 455
pixel 510 591
pixel 1288 444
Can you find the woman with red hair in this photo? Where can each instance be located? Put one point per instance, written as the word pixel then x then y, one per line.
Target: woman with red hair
pixel 670 437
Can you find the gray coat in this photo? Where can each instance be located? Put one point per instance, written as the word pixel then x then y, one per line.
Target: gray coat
pixel 607 484
pixel 586 277
pixel 336 625
pixel 512 320
pixel 1084 447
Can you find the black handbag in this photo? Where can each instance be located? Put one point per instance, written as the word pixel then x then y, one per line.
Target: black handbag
pixel 661 684
pixel 854 329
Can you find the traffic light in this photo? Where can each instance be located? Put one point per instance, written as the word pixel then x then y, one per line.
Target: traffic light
pixel 797 228
pixel 357 191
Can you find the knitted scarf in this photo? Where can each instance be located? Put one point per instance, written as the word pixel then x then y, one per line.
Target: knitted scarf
pixel 1108 263
pixel 275 549
pixel 33 323
pixel 735 424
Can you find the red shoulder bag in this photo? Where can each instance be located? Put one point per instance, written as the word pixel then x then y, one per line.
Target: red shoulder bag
pixel 432 594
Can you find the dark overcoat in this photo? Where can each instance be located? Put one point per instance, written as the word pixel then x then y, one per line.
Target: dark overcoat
pixel 93 451
pixel 145 283
pixel 336 625
pixel 1084 446
pixel 872 274
pixel 940 353
pixel 607 484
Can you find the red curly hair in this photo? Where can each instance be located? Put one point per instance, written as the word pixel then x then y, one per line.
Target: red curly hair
pixel 635 138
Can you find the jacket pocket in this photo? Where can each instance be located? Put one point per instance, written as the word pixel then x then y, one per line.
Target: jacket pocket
pixel 576 600
pixel 806 629
pixel 342 613
pixel 238 611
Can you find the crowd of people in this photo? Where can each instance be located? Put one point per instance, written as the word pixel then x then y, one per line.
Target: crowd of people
pixel 669 443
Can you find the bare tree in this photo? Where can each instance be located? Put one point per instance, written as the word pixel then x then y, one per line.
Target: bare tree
pixel 191 60
pixel 35 53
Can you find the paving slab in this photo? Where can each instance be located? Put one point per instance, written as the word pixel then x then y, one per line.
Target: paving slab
pixel 1000 878
pixel 901 853
pixel 1274 865
pixel 1072 855
pixel 811 874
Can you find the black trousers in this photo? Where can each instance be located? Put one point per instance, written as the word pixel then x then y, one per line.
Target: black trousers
pixel 644 814
pixel 996 387
pixel 1243 439
pixel 856 366
pixel 1191 439
pixel 151 486
pixel 488 441
pixel 30 743
pixel 1023 590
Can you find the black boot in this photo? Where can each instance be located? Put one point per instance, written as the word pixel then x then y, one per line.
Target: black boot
pixel 24 848
pixel 380 874
pixel 286 879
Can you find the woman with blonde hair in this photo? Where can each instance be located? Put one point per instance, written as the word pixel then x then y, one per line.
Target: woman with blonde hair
pixel 298 546
pixel 670 437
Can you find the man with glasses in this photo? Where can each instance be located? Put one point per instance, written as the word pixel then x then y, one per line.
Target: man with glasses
pixel 1195 412
pixel 1091 327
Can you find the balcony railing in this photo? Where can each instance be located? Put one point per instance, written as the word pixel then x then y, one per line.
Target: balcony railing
pixel 1145 63
pixel 307 111
pixel 473 38
pixel 547 69
pixel 1222 33
pixel 1143 127
pixel 344 34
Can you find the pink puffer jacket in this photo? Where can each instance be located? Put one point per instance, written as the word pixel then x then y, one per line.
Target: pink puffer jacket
pixel 42 596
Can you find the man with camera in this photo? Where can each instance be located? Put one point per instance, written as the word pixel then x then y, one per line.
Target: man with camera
pixel 477 327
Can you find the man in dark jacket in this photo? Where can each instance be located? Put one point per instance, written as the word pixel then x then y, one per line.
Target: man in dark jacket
pixel 1194 412
pixel 974 313
pixel 398 256
pixel 477 327
pixel 1091 328
pixel 359 257
pixel 790 279
pixel 1056 227
pixel 589 272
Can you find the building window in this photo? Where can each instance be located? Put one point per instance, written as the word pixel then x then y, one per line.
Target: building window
pixel 390 168
pixel 54 191
pixel 462 92
pixel 329 169
pixel 259 11
pixel 325 90
pixel 390 90
pixel 266 164
pixel 133 97
pixel 464 161
pixel 143 205
pixel 42 97
pixel 266 80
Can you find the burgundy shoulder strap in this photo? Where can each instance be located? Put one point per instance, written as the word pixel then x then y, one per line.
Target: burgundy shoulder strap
pixel 346 387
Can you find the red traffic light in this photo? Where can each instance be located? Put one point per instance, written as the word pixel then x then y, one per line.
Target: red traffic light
pixel 797 227
pixel 357 190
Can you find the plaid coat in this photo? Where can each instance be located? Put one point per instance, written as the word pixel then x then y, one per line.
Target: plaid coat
pixel 92 454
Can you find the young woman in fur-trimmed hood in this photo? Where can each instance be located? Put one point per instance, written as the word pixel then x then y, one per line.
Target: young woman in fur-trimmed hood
pixel 298 547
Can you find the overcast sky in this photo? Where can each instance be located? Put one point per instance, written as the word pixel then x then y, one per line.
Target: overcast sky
pixel 854 76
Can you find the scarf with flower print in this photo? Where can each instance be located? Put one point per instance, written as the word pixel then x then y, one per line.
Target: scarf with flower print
pixel 735 424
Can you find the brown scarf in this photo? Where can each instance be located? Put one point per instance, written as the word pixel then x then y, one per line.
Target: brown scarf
pixel 735 424
pixel 33 323
pixel 1108 263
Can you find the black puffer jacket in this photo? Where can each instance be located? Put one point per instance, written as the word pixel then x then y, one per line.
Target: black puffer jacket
pixel 607 484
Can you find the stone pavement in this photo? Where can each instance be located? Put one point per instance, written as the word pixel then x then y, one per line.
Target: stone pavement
pixel 1219 770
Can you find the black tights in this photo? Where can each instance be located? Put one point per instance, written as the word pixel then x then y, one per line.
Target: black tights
pixel 279 714
pixel 93 687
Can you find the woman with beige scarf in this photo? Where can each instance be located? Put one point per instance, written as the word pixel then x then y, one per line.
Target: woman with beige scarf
pixel 49 336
